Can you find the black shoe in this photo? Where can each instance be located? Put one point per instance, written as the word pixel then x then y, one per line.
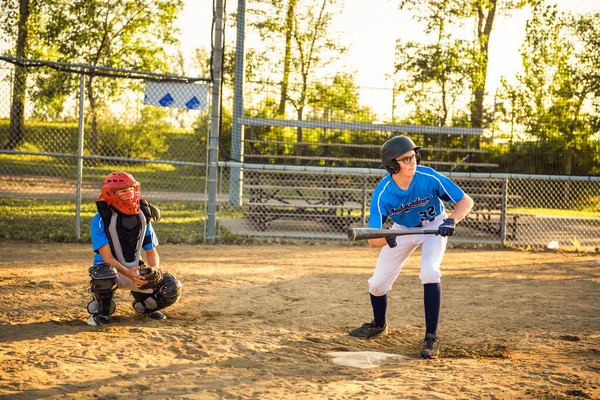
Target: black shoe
pixel 369 330
pixel 157 315
pixel 98 319
pixel 431 346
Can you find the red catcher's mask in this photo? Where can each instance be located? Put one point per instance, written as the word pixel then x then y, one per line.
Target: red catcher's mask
pixel 126 201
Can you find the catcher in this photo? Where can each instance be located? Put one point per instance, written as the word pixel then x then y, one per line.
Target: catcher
pixel 120 230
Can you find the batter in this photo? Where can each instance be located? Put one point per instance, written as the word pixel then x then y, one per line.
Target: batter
pixel 412 196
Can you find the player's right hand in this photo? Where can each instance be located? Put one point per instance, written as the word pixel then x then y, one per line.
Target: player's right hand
pixel 133 274
pixel 391 241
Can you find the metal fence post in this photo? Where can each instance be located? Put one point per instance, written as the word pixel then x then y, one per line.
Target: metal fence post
pixel 213 142
pixel 79 159
pixel 363 206
pixel 503 207
pixel 237 130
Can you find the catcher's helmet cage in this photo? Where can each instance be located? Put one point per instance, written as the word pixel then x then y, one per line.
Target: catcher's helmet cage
pixel 127 203
pixel 395 147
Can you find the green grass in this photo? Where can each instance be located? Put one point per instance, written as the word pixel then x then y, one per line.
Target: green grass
pixel 53 220
pixel 62 138
pixel 160 177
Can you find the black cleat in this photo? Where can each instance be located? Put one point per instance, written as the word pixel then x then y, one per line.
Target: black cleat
pixel 369 330
pixel 98 319
pixel 431 346
pixel 156 315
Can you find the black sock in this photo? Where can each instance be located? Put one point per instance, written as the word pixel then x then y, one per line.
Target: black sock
pixel 379 304
pixel 433 300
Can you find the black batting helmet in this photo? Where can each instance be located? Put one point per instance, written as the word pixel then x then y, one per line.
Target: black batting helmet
pixel 395 147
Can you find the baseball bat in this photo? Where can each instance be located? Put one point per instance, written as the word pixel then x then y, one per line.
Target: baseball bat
pixel 374 233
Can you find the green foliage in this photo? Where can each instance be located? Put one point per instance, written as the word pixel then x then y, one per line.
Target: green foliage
pixel 339 100
pixel 9 22
pixel 50 94
pixel 128 34
pixel 125 34
pixel 552 101
pixel 145 138
pixel 434 73
pixel 310 46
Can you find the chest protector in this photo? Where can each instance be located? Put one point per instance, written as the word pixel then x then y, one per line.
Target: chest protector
pixel 125 232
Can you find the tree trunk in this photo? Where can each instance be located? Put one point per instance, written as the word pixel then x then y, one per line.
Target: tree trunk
pixel 289 29
pixel 484 29
pixel 17 109
pixel 94 137
pixel 299 137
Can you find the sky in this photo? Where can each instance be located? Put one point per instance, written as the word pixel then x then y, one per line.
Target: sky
pixel 371 28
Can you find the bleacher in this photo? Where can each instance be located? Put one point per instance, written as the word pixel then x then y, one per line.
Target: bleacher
pixel 334 200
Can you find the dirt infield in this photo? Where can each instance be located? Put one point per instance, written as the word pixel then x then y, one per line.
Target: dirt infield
pixel 261 322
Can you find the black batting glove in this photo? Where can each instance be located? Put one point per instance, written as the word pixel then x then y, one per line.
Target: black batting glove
pixel 391 241
pixel 447 227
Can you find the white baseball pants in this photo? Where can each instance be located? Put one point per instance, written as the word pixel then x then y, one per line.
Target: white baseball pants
pixel 391 260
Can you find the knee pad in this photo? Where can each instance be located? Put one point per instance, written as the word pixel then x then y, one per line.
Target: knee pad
pixel 167 293
pixel 102 287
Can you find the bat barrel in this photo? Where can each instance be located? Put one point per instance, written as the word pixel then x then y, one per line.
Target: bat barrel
pixel 374 233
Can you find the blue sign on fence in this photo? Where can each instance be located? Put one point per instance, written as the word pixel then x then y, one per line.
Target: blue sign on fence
pixel 189 96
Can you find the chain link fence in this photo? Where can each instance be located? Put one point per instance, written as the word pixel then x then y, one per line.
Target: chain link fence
pixel 65 127
pixel 319 203
pixel 53 164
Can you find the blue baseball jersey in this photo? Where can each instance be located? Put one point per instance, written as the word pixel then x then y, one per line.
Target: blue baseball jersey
pixel 421 201
pixel 99 238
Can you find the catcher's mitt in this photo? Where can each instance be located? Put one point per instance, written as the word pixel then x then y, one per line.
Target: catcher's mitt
pixel 153 277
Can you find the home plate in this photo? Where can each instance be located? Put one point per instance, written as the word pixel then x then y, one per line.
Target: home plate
pixel 361 359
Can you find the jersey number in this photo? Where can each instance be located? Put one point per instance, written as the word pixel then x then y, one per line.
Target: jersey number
pixel 427 214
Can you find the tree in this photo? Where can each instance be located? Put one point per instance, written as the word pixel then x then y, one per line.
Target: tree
pixel 17 14
pixel 339 100
pixel 127 34
pixel 553 97
pixel 287 58
pixel 587 29
pixel 433 74
pixel 482 14
pixel 265 19
pixel 312 43
pixel 303 29
pixel 485 11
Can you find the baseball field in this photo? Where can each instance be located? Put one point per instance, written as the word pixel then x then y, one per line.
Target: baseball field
pixel 271 322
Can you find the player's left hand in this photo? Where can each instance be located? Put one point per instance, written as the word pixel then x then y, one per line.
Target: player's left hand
pixel 447 227
pixel 391 241
pixel 152 275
